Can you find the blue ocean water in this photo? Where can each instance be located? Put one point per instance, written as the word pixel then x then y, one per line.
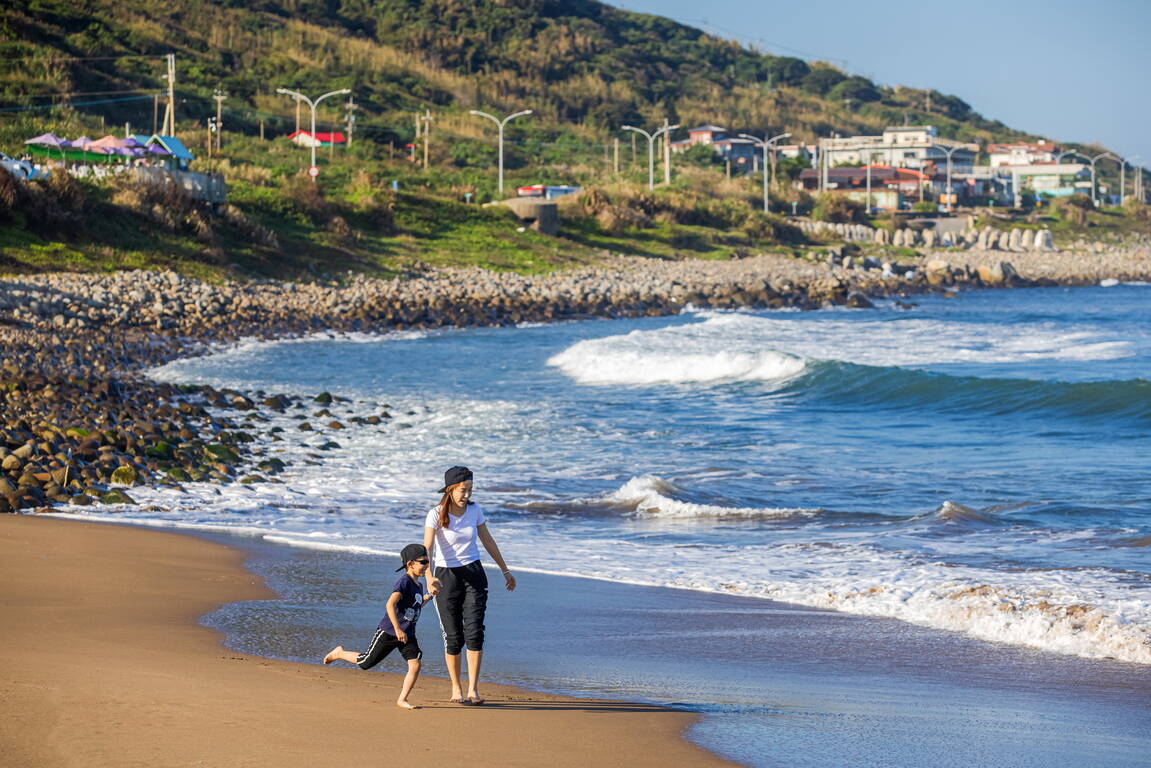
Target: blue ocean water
pixel 975 465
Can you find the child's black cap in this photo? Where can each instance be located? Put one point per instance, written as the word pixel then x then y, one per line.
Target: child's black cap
pixel 411 552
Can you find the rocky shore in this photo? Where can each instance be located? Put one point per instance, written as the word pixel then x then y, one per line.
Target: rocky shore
pixel 78 423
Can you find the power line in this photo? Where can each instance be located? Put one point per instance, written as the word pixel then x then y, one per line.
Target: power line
pixel 67 94
pixel 78 58
pixel 66 105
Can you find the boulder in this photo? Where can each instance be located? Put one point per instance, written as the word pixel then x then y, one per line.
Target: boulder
pixel 221 452
pixel 116 497
pixel 125 475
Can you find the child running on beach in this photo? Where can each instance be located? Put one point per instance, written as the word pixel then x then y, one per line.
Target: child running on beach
pixel 398 628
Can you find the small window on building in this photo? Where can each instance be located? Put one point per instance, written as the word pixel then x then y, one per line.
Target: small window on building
pixel 909 154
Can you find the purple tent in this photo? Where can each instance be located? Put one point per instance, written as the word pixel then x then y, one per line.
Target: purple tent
pixel 81 142
pixel 156 149
pixel 49 140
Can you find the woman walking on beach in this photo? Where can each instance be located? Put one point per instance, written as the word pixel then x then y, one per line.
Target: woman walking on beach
pixel 452 532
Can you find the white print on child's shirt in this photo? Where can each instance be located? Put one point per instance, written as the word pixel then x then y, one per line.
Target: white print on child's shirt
pixel 413 613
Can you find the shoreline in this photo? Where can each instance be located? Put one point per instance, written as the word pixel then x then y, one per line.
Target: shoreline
pixel 167 691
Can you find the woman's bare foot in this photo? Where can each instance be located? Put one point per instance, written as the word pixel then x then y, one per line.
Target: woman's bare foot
pixel 333 654
pixel 475 699
pixel 405 705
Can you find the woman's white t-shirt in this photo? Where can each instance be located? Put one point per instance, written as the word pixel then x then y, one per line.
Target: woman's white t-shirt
pixel 458 544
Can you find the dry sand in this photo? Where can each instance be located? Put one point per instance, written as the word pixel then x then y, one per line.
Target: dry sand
pixel 102 663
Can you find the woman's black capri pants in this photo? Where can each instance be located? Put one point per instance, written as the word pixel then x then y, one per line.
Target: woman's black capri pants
pixel 461 603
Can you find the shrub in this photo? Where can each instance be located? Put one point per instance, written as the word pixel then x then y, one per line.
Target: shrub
pixel 838 209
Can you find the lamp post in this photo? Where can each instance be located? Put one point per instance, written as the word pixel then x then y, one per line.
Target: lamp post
pixel 651 137
pixel 1094 195
pixel 948 152
pixel 1123 178
pixel 500 124
pixel 312 105
pixel 765 144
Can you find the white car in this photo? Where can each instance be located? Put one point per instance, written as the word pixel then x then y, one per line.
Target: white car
pixel 21 169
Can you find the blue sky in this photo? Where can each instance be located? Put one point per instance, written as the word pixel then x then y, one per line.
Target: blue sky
pixel 1066 71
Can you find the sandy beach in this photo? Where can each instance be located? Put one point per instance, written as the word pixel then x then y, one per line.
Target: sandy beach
pixel 102 662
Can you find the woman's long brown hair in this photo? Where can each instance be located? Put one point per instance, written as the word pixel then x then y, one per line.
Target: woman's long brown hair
pixel 445 505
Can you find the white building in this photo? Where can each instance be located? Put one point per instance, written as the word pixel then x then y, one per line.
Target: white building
pixel 1022 153
pixel 915 147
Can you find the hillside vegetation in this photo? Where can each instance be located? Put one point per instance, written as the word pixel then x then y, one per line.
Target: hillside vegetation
pixel 584 68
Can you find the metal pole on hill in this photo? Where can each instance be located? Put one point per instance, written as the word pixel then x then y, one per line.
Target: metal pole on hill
pixel 1094 189
pixel 765 144
pixel 951 192
pixel 651 137
pixel 312 105
pixel 219 95
pixel 500 125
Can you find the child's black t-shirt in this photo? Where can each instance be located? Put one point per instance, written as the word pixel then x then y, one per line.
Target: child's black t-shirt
pixel 408 607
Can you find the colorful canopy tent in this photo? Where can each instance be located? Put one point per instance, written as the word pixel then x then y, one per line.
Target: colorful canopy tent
pixel 48 140
pixel 110 149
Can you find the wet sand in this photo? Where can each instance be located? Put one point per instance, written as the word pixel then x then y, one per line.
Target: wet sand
pixel 103 663
pixel 776 684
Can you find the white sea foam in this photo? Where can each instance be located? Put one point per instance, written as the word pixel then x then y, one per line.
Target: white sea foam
pixel 648 496
pixel 652 357
pixel 734 346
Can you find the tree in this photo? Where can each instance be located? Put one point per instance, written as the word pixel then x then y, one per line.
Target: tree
pixel 855 88
pixel 787 70
pixel 822 79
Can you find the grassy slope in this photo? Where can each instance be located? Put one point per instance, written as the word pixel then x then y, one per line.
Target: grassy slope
pixel 584 67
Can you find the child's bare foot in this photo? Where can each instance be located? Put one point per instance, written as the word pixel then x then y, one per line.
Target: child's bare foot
pixel 405 705
pixel 333 654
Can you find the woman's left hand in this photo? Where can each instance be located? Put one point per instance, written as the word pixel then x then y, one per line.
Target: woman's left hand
pixel 510 580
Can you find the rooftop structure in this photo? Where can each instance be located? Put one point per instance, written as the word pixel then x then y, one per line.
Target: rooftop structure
pixel 915 147
pixel 1022 153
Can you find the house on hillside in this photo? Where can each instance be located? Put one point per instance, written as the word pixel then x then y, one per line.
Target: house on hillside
pixel 914 147
pixel 305 138
pixel 741 152
pixel 1022 153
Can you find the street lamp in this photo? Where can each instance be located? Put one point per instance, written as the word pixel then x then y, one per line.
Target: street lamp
pixel 500 124
pixel 312 105
pixel 764 143
pixel 1123 178
pixel 1094 195
pixel 651 137
pixel 948 152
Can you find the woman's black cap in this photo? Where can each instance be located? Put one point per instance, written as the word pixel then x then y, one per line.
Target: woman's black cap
pixel 411 552
pixel 455 475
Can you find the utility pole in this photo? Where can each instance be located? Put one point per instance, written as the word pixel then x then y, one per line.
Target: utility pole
pixel 427 118
pixel 615 156
pixel 261 130
pixel 170 110
pixel 351 107
pixel 219 95
pixel 155 112
pixel 666 152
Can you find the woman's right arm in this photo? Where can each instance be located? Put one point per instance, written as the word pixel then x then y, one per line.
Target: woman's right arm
pixel 430 546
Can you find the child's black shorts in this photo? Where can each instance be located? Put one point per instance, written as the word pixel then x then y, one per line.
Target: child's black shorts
pixel 384 643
